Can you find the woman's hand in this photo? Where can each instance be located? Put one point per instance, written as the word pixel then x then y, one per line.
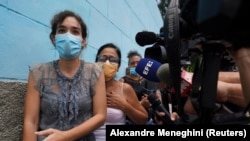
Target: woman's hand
pixel 53 135
pixel 174 116
pixel 115 100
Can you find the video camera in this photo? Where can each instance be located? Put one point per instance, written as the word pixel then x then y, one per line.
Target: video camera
pixel 214 25
pixel 158 50
pixel 188 22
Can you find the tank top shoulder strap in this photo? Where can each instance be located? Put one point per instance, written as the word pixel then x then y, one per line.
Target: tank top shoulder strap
pixel 125 79
pixel 122 85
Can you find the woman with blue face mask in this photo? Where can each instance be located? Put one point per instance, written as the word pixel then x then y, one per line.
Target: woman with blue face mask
pixel 139 84
pixel 65 99
pixel 132 77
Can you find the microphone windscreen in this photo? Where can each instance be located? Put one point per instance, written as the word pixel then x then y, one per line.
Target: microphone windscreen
pixel 147 68
pixel 145 38
pixel 163 73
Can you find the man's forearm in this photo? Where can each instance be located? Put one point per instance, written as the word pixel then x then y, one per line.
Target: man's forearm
pixel 242 59
pixel 230 77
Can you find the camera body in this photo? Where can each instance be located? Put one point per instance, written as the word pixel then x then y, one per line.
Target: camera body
pixel 206 27
pixel 191 22
pixel 224 20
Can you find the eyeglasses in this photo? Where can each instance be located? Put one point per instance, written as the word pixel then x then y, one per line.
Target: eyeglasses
pixel 112 60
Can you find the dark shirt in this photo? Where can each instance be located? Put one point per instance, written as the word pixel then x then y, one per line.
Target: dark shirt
pixel 141 87
pixel 138 86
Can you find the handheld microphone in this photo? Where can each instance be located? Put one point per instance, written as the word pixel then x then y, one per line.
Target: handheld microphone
pixel 157 106
pixel 146 38
pixel 147 68
pixel 156 72
pixel 163 74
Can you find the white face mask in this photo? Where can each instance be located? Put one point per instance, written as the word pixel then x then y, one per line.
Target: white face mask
pixel 68 45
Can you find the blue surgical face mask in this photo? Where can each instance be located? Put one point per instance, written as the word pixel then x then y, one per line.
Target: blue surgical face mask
pixel 68 45
pixel 133 72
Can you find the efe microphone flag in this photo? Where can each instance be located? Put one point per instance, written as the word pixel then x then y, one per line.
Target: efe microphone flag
pixel 154 71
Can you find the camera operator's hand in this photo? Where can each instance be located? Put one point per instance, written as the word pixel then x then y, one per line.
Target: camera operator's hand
pixel 145 102
pixel 144 99
pixel 158 121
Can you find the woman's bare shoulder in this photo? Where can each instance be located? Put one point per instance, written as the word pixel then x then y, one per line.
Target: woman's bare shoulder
pixel 128 90
pixel 126 86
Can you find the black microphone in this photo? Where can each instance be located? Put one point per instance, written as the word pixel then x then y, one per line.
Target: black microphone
pixel 147 38
pixel 157 106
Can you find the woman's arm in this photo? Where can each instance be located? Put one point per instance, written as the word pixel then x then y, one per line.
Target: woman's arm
pixel 128 103
pixel 133 109
pixel 31 111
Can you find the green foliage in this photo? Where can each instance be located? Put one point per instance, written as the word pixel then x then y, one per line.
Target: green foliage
pixel 162 5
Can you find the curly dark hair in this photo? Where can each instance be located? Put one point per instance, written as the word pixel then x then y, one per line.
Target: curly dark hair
pixel 110 45
pixel 133 53
pixel 59 18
